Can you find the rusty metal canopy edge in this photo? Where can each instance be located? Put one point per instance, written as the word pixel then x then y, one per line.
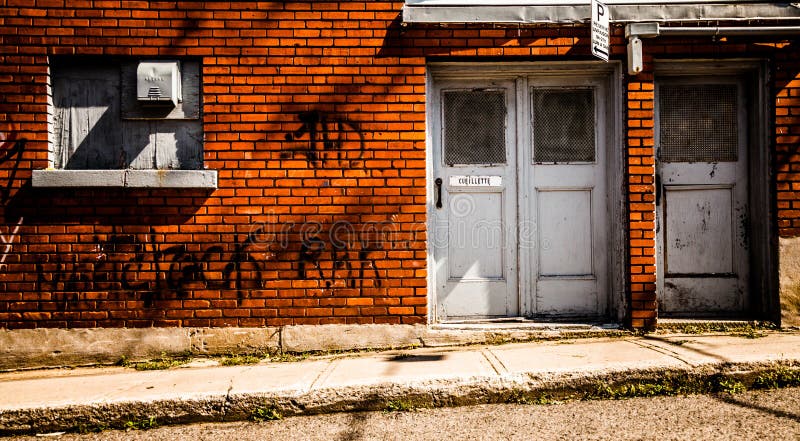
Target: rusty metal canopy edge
pixel 577 11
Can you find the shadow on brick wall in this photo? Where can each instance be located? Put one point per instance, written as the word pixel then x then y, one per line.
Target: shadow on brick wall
pixel 105 206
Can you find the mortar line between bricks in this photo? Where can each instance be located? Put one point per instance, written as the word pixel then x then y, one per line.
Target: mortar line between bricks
pixel 494 361
pixel 663 351
pixel 324 375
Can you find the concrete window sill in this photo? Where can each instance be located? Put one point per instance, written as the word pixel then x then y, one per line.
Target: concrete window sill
pixel 203 179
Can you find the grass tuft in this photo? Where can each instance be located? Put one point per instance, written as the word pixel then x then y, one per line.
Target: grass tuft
pixel 400 406
pixel 239 360
pixel 265 413
pixel 777 378
pixel 160 364
pixel 145 424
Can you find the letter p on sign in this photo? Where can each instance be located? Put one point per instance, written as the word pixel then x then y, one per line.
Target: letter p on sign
pixel 601 31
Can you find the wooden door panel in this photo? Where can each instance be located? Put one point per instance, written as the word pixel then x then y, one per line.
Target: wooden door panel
pixel 699 235
pixel 565 232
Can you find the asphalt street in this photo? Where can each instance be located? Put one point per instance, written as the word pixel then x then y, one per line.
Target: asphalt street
pixel 765 415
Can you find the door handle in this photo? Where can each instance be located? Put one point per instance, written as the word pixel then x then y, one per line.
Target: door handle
pixel 658 189
pixel 438 183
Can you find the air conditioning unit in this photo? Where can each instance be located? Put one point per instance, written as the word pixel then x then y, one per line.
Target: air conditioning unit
pixel 158 83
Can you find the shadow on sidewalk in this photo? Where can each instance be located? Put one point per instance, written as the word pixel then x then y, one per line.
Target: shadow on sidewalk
pixel 687 348
pixel 410 358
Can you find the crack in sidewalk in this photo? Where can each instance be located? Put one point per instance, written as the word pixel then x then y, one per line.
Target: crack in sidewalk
pixel 324 374
pixel 494 361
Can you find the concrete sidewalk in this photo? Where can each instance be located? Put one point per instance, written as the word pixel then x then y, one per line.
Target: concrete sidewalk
pixel 54 400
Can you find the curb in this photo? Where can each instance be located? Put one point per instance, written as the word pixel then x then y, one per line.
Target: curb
pixel 446 392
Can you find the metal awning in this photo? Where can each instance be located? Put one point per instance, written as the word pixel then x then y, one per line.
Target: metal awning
pixel 577 11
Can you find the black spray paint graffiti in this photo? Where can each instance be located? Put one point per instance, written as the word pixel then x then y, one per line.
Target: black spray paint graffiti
pixel 174 270
pixel 10 148
pixel 328 141
pixel 351 253
pixel 342 260
pixel 126 263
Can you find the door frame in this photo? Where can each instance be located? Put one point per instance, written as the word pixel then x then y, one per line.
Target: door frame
pixel 763 296
pixel 615 307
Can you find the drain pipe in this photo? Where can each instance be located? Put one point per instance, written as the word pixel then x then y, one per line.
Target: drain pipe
pixel 634 32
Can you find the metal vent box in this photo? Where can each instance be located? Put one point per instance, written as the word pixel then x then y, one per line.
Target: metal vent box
pixel 158 82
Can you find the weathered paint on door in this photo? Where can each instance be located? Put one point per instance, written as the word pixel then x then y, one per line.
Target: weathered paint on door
pixel 535 242
pixel 566 196
pixel 702 202
pixel 474 248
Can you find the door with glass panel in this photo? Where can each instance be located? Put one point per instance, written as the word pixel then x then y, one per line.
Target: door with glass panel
pixel 475 202
pixel 563 200
pixel 702 195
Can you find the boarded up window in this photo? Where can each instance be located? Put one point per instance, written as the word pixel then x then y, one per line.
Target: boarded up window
pixel 98 123
pixel 698 123
pixel 474 127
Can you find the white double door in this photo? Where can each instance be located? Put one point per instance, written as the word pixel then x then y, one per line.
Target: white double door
pixel 519 210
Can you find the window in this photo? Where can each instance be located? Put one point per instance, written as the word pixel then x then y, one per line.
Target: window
pixel 710 133
pixel 105 131
pixel 474 127
pixel 563 125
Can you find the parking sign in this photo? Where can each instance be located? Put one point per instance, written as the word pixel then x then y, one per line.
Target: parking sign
pixel 601 44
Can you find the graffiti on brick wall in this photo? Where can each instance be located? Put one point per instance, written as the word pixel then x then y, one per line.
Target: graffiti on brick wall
pixel 124 262
pixel 8 242
pixel 327 140
pixel 340 257
pixel 351 254
pixel 11 150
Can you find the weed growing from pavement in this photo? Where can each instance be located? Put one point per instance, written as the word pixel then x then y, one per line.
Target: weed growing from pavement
pixel 746 330
pixel 728 385
pixel 238 360
pixel 545 399
pixel 517 396
pixel 750 333
pixel 132 424
pixel 161 363
pixel 290 357
pixel 265 413
pixel 777 378
pixel 400 405
pixel 143 424
pixel 670 384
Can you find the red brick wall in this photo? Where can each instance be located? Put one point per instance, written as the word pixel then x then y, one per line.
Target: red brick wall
pixel 641 197
pixel 353 189
pixel 787 141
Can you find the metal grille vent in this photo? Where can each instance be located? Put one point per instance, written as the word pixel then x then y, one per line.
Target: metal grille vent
pixel 698 123
pixel 154 92
pixel 563 125
pixel 474 127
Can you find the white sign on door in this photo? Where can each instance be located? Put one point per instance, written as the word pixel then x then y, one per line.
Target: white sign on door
pixel 476 181
pixel 601 31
